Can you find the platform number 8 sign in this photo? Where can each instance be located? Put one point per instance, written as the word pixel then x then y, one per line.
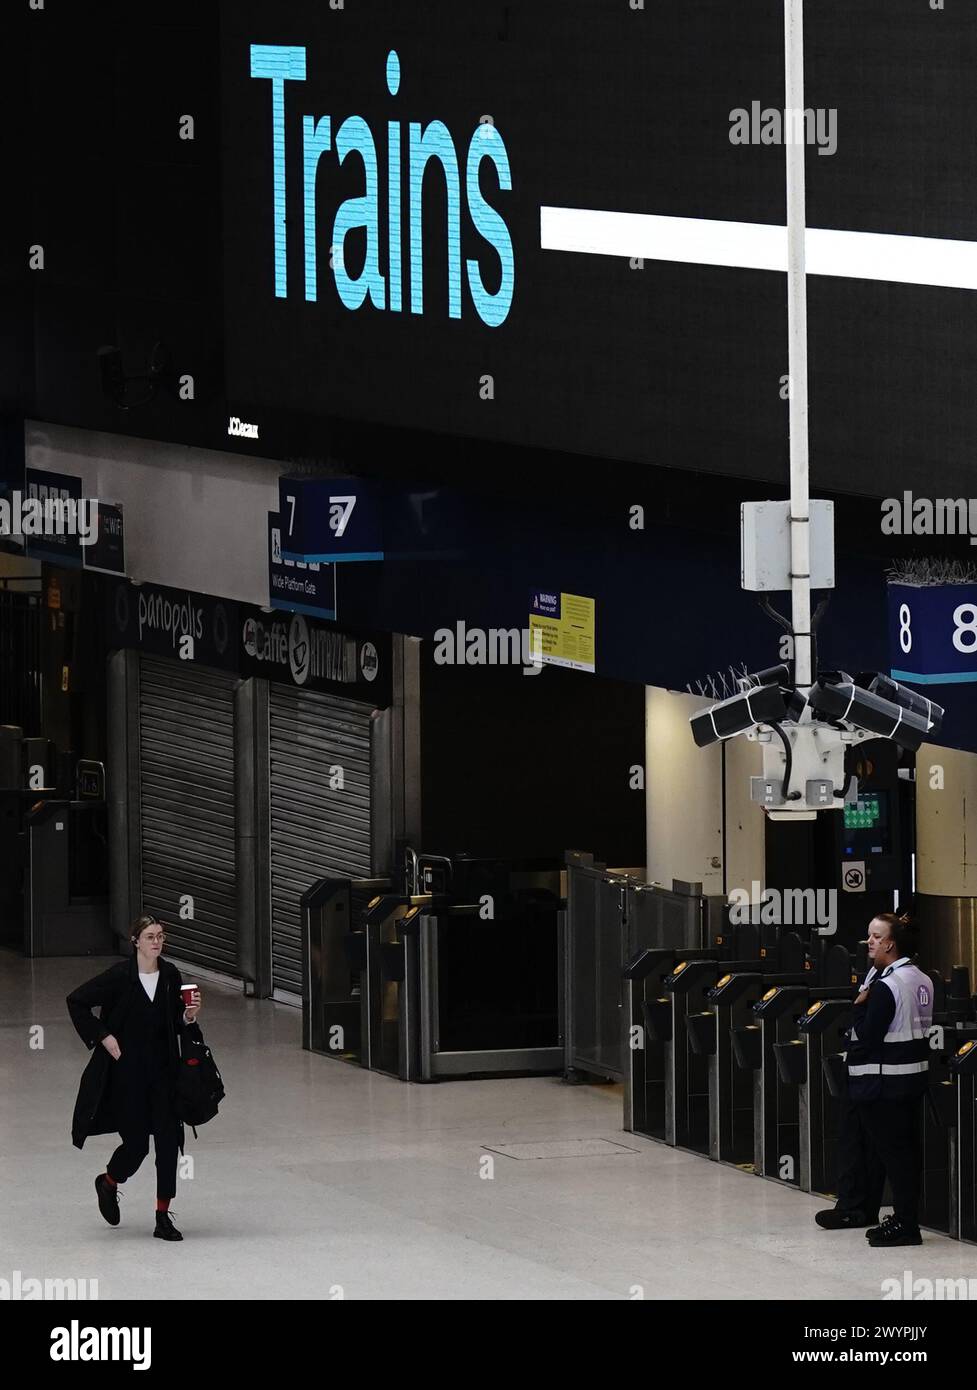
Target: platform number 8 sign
pixel 933 633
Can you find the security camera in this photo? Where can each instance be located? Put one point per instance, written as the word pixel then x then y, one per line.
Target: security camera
pixel 763 704
pixel 889 689
pixel 805 735
pixel 836 695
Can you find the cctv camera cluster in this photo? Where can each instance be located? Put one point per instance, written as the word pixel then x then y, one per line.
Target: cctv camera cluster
pixel 806 735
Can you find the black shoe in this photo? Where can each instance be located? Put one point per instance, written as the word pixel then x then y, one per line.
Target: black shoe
pixel 165 1228
pixel 108 1199
pixel 834 1220
pixel 884 1225
pixel 893 1232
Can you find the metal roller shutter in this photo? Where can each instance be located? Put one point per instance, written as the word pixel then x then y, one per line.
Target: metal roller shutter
pixel 186 749
pixel 316 829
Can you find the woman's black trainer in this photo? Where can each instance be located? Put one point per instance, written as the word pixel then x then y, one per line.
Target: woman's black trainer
pixel 165 1228
pixel 108 1199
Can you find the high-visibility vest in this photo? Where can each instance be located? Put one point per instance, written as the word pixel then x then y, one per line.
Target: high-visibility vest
pixel 896 1068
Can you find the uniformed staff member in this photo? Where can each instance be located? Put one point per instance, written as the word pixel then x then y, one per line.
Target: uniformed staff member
pixel 861 1176
pixel 887 1064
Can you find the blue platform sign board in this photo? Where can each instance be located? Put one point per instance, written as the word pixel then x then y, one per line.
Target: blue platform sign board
pixel 933 633
pixel 330 520
pixel 298 586
pixel 59 494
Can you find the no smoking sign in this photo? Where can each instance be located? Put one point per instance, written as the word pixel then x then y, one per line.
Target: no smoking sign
pixel 853 876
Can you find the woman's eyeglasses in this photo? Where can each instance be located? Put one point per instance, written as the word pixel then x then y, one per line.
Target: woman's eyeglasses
pixel 158 939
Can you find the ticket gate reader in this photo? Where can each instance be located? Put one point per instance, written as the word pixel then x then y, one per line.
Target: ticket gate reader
pixel 711 1035
pixel 647 1025
pixel 775 1121
pixel 943 1142
pixel 389 1002
pixel 333 965
pixel 687 1069
pixel 737 1061
pixel 731 1000
pixel 776 1102
pixel 822 1030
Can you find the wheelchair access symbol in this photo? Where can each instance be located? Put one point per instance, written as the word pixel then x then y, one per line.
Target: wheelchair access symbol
pixel 853 876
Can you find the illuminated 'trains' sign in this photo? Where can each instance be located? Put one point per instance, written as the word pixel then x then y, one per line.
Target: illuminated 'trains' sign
pixel 283 64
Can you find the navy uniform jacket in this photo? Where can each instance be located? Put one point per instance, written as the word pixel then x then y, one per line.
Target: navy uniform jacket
pixel 888 1052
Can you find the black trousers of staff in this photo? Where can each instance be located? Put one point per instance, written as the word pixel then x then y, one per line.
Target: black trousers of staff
pixel 894 1129
pixel 876 1140
pixel 861 1171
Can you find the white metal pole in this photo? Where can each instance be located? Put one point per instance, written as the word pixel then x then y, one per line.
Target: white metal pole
pixel 795 131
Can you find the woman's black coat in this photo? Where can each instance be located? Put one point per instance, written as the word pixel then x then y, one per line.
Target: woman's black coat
pixel 113 991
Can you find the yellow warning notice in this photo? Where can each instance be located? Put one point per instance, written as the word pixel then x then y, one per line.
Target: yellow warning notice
pixel 561 630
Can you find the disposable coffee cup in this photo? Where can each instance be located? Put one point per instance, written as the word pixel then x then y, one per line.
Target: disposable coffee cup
pixel 188 991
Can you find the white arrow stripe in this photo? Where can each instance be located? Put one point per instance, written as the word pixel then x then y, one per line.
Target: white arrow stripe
pixel 909 260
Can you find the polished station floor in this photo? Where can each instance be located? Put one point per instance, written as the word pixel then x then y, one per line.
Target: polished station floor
pixel 320 1180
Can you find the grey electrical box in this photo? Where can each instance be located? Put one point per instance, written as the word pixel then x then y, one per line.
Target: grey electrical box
pixel 765 790
pixel 765 546
pixel 819 791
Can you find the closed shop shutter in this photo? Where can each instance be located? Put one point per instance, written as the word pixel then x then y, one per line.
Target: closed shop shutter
pixel 186 749
pixel 318 830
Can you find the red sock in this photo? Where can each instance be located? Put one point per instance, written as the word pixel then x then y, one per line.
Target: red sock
pixel 108 1178
pixel 162 1203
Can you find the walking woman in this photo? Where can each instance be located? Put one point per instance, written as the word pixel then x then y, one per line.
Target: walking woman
pixel 128 1085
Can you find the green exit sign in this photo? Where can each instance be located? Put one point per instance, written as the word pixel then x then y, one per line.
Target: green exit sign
pixel 864 815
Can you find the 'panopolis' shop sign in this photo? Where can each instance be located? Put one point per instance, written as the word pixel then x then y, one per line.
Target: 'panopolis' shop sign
pixel 551 222
pixel 291 648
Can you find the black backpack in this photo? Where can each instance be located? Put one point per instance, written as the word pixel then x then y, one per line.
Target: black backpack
pixel 199 1088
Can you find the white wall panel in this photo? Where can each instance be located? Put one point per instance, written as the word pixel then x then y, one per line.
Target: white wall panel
pixel 194 518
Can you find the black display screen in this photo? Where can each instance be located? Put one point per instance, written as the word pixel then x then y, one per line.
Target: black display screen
pixel 397 174
pixel 867 827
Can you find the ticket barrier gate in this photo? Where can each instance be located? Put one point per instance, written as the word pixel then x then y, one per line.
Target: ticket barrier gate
pixel 354 947
pixel 422 987
pixel 963 1069
pixel 729 1002
pixel 54 850
pixel 947 1199
pixel 387 949
pixel 941 1177
pixel 66 878
pixel 691 1048
pixel 945 1142
pixel 647 1031
pixel 822 1032
pixel 669 1039
pixel 776 1101
pixel 331 1010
